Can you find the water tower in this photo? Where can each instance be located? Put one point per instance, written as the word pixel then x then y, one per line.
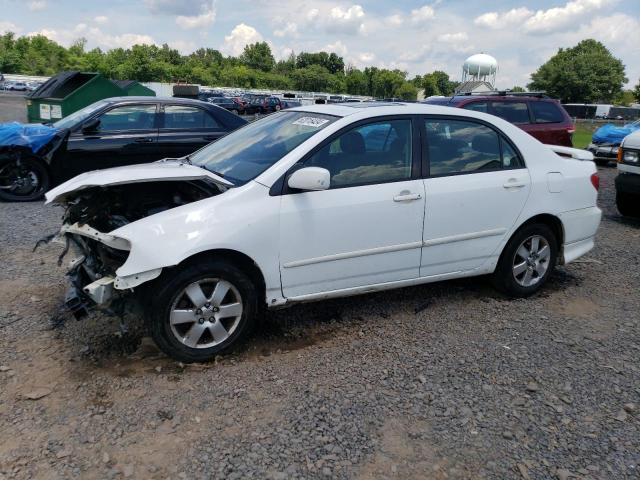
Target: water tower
pixel 480 68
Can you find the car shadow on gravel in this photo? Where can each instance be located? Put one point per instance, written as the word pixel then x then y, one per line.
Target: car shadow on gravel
pixel 99 338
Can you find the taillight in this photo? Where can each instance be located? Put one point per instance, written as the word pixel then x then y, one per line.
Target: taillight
pixel 595 181
pixel 571 130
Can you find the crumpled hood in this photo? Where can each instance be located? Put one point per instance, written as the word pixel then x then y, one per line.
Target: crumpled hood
pixel 147 172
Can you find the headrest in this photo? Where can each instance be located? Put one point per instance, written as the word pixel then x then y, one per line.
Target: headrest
pixel 352 143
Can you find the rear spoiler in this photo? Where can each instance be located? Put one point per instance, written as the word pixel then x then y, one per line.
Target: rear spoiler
pixel 572 152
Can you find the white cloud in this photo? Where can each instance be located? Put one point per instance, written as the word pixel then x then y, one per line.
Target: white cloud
pixel 101 19
pixel 289 30
pixel 337 47
pixel 9 27
pixel 37 5
pixel 542 21
pixel 366 57
pixel 458 42
pixel 205 19
pixel 497 20
pixel 557 18
pixel 423 13
pixel 394 20
pixel 240 36
pixel 348 20
pixel 178 7
pixel 94 36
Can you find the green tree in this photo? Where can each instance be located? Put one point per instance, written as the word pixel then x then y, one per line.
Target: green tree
pixel 332 62
pixel 355 82
pixel 586 73
pixel 636 92
pixel 406 91
pixel 430 86
pixel 516 88
pixel 258 56
pixel 9 57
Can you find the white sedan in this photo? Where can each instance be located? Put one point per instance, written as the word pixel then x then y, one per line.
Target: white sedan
pixel 324 201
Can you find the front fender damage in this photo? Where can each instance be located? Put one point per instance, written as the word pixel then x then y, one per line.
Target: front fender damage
pixel 98 257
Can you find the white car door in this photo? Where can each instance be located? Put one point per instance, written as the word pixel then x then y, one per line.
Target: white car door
pixel 367 227
pixel 476 187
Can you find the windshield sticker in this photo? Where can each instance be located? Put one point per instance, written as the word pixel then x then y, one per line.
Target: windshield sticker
pixel 311 121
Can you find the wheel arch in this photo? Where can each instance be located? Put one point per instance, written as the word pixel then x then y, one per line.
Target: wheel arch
pixel 554 223
pixel 242 260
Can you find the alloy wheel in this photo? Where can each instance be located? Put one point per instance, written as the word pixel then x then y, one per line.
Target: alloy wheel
pixel 206 313
pixel 531 261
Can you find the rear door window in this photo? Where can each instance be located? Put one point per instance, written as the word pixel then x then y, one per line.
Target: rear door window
pixel 128 117
pixel 546 112
pixel 462 146
pixel 513 112
pixel 187 118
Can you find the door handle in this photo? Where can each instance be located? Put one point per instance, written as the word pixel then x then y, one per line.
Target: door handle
pixel 144 140
pixel 513 183
pixel 407 197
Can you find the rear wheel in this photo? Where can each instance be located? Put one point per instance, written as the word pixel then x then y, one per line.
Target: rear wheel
pixel 23 179
pixel 527 261
pixel 202 310
pixel 628 205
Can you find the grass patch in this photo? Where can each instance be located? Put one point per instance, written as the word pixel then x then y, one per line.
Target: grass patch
pixel 582 136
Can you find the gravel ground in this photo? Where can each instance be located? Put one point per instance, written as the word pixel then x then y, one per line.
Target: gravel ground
pixel 448 380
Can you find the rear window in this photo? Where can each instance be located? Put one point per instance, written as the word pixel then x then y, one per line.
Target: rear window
pixel 477 107
pixel 514 112
pixel 546 112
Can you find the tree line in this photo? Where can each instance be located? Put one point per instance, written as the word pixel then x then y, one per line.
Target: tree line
pixel 585 73
pixel 256 67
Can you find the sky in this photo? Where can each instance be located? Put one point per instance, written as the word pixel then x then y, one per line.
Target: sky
pixel 411 35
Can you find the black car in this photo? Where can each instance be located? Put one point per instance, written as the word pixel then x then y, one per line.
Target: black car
pixel 231 104
pixel 110 133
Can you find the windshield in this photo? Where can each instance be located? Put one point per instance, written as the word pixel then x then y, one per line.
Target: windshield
pixel 80 116
pixel 247 152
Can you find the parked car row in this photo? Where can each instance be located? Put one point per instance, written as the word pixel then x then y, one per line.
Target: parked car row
pixel 19 86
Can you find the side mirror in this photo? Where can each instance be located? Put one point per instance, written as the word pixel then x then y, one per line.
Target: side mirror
pixel 310 178
pixel 90 125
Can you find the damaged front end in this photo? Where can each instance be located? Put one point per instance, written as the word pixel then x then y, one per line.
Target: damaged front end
pixel 93 210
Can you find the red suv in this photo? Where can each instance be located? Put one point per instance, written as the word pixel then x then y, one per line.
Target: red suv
pixel 535 113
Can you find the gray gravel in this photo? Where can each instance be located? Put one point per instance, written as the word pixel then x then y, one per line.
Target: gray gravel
pixel 448 380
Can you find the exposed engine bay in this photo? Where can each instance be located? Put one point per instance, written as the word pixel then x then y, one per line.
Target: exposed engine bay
pixel 111 207
pixel 91 213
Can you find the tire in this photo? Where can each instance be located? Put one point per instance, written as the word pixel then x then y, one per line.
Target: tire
pixel 23 180
pixel 601 162
pixel 538 266
pixel 171 300
pixel 628 205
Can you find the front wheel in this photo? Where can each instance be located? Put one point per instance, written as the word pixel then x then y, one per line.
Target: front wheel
pixel 202 310
pixel 527 261
pixel 628 205
pixel 23 180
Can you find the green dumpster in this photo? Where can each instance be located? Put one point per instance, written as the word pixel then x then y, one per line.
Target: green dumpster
pixel 72 90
